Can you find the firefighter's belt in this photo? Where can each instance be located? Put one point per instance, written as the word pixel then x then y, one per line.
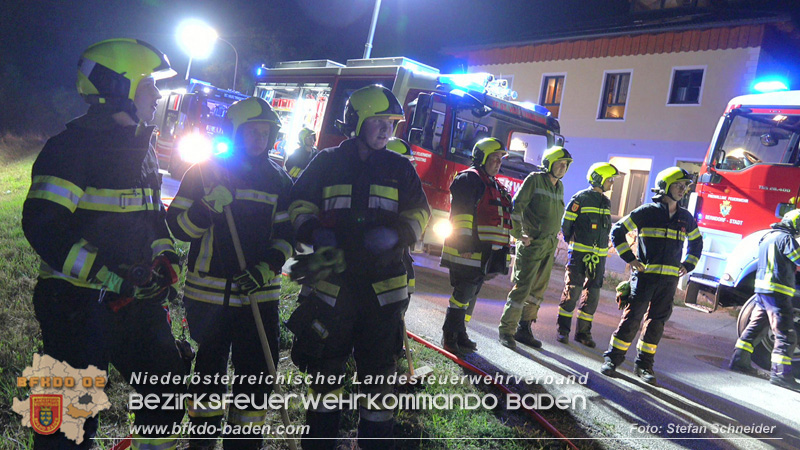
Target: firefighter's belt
pixel 591 260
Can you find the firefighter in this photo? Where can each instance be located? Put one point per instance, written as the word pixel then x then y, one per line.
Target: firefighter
pixel 778 254
pixel 585 227
pixel 536 219
pixel 299 159
pixel 94 215
pixel 480 212
pixel 366 203
pixel 218 294
pixel 662 227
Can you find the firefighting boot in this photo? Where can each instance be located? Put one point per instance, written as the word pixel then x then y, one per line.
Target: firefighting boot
pixel 583 334
pixel 466 344
pixel 782 376
pixel 323 430
pixel 508 341
pixel 525 336
pixel 646 374
pixel 740 362
pixel 453 324
pixel 375 435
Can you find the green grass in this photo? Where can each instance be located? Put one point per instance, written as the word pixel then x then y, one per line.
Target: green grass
pixel 20 337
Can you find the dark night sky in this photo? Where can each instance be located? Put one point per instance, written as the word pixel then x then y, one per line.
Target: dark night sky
pixel 40 41
pixel 45 38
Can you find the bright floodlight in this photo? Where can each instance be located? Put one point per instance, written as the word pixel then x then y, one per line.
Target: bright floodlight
pixel 196 38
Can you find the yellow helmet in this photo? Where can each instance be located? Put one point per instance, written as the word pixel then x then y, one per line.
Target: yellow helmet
pixel 554 154
pixel 250 110
pixel 400 146
pixel 671 175
pixel 111 70
pixel 792 221
pixel 600 172
pixel 304 133
pixel 485 147
pixel 370 101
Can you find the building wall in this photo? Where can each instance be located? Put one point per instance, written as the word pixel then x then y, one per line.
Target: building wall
pixel 651 128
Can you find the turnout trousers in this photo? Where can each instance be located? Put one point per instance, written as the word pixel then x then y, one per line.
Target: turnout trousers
pixel 80 331
pixel 328 330
pixel 530 276
pixel 580 283
pixel 222 330
pixel 651 297
pixel 775 311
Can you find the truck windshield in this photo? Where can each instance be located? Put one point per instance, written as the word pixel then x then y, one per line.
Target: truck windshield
pixel 525 142
pixel 758 138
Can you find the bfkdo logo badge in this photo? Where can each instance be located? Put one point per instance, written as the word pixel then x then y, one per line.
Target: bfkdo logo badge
pixel 46 413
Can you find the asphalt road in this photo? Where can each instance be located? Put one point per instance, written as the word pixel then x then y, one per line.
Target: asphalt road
pixel 697 403
pixel 697 400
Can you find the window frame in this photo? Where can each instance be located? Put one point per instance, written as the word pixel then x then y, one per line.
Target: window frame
pixel 542 91
pixel 675 69
pixel 601 102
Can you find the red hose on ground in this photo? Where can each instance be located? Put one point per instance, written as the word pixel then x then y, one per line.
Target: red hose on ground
pixel 535 415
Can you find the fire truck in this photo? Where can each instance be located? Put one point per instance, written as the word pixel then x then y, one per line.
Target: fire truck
pixel 445 115
pixel 750 178
pixel 187 119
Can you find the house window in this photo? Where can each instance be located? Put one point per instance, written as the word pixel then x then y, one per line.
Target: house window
pixel 615 96
pixel 686 86
pixel 552 88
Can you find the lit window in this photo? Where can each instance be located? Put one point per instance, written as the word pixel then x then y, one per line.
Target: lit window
pixel 552 88
pixel 615 96
pixel 686 85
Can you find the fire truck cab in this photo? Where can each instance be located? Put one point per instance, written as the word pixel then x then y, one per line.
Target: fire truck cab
pixel 186 119
pixel 445 116
pixel 749 179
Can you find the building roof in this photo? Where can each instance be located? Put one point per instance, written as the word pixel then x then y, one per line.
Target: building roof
pixel 663 32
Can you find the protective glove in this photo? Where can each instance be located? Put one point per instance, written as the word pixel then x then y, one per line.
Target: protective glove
pixel 218 198
pixel 254 277
pixel 623 294
pixel 166 268
pixel 113 282
pixel 317 266
pixel 323 237
pixel 380 239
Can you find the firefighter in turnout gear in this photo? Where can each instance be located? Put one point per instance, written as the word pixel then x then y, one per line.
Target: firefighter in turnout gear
pixel 297 162
pixel 218 295
pixel 663 227
pixel 366 202
pixel 478 247
pixel 538 208
pixel 94 215
pixel 585 226
pixel 778 256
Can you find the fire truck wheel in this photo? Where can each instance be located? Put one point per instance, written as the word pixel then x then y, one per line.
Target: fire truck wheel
pixel 762 347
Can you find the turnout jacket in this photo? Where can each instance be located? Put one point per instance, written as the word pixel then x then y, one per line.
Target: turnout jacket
pixel 661 238
pixel 778 257
pixel 587 222
pixel 260 189
pixel 298 161
pixel 350 197
pixel 538 207
pixel 480 212
pixel 95 201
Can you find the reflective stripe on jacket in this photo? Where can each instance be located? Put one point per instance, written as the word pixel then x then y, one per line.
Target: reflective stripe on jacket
pixel 587 222
pixel 480 213
pixel 95 200
pixel 661 238
pixel 778 256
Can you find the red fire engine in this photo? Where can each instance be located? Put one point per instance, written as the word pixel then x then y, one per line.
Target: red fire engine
pixel 445 116
pixel 188 117
pixel 749 179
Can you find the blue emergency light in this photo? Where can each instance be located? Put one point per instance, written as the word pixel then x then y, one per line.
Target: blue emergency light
pixel 774 85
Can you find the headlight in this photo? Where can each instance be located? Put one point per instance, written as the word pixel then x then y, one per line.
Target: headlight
pixel 443 228
pixel 194 148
